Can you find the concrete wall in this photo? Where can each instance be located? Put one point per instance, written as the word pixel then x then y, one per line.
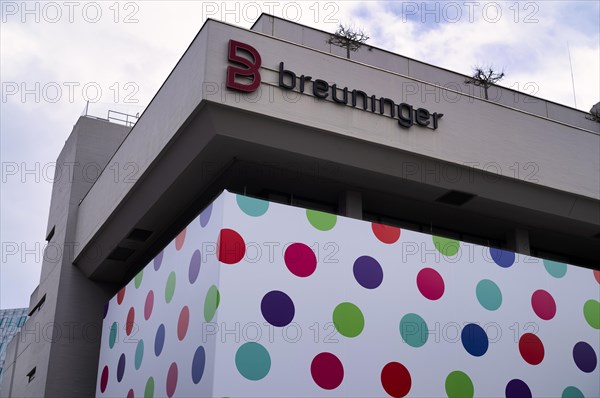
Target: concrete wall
pixel 61 339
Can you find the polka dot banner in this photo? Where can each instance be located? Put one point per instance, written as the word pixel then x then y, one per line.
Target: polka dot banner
pixel 396 379
pixel 253 361
pixel 320 220
pixel 368 272
pixel 348 319
pixel 386 233
pixel 327 371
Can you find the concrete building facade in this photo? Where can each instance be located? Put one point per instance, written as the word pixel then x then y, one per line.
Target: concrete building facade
pixel 378 137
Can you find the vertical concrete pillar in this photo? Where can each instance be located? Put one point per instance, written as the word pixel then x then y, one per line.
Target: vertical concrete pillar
pixel 350 204
pixel 518 241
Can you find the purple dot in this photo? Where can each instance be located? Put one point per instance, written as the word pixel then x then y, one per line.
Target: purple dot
pixel 585 357
pixel 517 389
pixel 368 272
pixel 194 266
pixel 105 310
pixel 121 368
pixel 158 261
pixel 205 216
pixel 277 308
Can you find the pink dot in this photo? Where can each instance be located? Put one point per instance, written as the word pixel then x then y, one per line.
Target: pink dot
pixel 130 393
pixel 430 283
pixel 148 305
pixel 104 379
pixel 300 260
pixel 543 304
pixel 130 321
pixel 183 322
pixel 231 247
pixel 172 380
pixel 327 371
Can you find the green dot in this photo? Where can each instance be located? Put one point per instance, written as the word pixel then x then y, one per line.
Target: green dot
pixel 448 247
pixel 591 312
pixel 112 337
pixel 149 391
pixel 458 384
pixel 139 354
pixel 413 330
pixel 556 269
pixel 320 220
pixel 572 392
pixel 138 279
pixel 170 287
pixel 211 303
pixel 253 361
pixel 348 319
pixel 488 294
pixel 252 206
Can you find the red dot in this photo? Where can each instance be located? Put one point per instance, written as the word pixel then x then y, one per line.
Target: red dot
pixel 148 305
pixel 543 304
pixel 395 379
pixel 104 379
pixel 231 247
pixel 531 348
pixel 597 275
pixel 430 283
pixel 385 233
pixel 183 322
pixel 300 260
pixel 172 380
pixel 180 239
pixel 327 371
pixel 121 295
pixel 130 321
pixel 130 393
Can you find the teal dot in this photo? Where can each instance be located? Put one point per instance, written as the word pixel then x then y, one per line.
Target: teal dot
pixel 112 337
pixel 252 206
pixel 413 330
pixel 572 392
pixel 556 269
pixel 139 354
pixel 488 294
pixel 253 361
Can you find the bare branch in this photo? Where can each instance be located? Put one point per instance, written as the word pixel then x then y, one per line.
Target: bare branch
pixel 348 38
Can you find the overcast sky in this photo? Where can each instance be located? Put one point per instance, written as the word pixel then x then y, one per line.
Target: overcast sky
pixel 57 55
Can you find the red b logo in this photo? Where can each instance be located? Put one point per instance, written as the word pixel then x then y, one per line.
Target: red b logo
pixel 251 68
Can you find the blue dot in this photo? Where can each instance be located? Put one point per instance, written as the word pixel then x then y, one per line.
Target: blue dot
pixel 205 216
pixel 159 340
pixel 502 257
pixel 121 368
pixel 198 363
pixel 474 339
